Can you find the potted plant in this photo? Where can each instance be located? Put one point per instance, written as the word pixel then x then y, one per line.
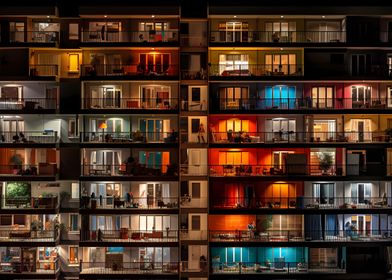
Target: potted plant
pixel 64 198
pixel 325 162
pixel 63 231
pixel 17 193
pixel 36 226
pixel 16 161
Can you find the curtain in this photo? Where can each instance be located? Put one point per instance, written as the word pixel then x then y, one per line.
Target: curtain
pixel 313 227
pixel 331 225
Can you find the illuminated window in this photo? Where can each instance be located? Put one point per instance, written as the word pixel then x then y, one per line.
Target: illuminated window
pixel 73 255
pixel 73 63
pixel 73 31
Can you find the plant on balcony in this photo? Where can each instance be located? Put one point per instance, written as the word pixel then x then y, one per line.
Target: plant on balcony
pixel 265 223
pixel 64 197
pixel 37 225
pixel 18 190
pixel 63 231
pixel 325 162
pixel 16 161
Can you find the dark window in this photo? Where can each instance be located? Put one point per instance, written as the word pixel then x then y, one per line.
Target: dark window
pixel 5 220
pixel 19 220
pixel 195 222
pixel 337 58
pixel 195 190
pixel 195 94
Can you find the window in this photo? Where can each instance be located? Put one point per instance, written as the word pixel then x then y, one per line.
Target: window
pixel 233 97
pixel 389 96
pixel 72 128
pixel 11 93
pixel 154 96
pixel 73 31
pixel 323 31
pixel 282 97
pixel 75 190
pixel 281 31
pixel 74 222
pixel 360 96
pixel 324 193
pixel 281 129
pixel 73 253
pixel 195 190
pixel 361 193
pixel 360 64
pixel 230 62
pixel 324 130
pixel 322 97
pixel 336 58
pixel 233 31
pixel 195 222
pixel 281 64
pixel 17 30
pixel 154 62
pixel 73 63
pixel 362 223
pixel 5 220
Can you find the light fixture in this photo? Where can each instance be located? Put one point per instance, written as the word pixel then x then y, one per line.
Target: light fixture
pixel 152 16
pixel 153 49
pixel 235 16
pixel 105 16
pixel 281 16
pixel 281 49
pixel 48 16
pixel 323 16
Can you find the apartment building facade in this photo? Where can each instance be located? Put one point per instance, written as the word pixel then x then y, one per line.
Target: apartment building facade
pixel 250 141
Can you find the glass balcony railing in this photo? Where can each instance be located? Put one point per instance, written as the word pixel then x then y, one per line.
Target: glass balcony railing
pixel 110 202
pixel 29 137
pixel 39 267
pixel 110 70
pixel 41 169
pixel 301 103
pixel 300 202
pixel 130 103
pixel 300 235
pixel 278 37
pixel 146 267
pixel 129 137
pixel 133 236
pixel 38 37
pixel 129 170
pixel 28 235
pixel 298 137
pixel 166 36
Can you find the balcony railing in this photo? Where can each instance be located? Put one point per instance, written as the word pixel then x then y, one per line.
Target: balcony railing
pixel 129 170
pixel 28 103
pixel 29 202
pixel 112 267
pixel 193 202
pixel 187 234
pixel 27 235
pixel 129 137
pixel 301 103
pixel 194 75
pixel 256 70
pixel 38 37
pixel 193 40
pixel 299 137
pixel 130 36
pixel 44 70
pixel 194 266
pixel 111 70
pixel 300 235
pixel 39 267
pixel 301 202
pixel 279 37
pixel 29 137
pixel 280 267
pixel 133 236
pixel 42 169
pixel 130 103
pixel 110 202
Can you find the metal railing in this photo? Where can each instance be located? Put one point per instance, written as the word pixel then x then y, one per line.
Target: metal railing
pixel 128 235
pixel 130 36
pixel 280 267
pixel 193 40
pixel 28 235
pixel 38 37
pixel 129 137
pixel 130 103
pixel 187 234
pixel 300 202
pixel 256 70
pixel 193 202
pixel 112 267
pixel 299 137
pixel 300 103
pixel 130 169
pixel 28 103
pixel 28 169
pixel 102 70
pixel 28 266
pixel 194 75
pixel 44 70
pixel 30 202
pixel 254 36
pixel 110 202
pixel 29 137
pixel 299 235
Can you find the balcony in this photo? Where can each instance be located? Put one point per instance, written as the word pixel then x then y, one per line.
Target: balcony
pixel 126 235
pixel 169 37
pixel 280 137
pixel 44 71
pixel 129 137
pixel 301 202
pixel 157 72
pixel 300 236
pixel 33 37
pixel 165 104
pixel 138 170
pixel 110 202
pixel 30 137
pixel 255 70
pixel 39 170
pixel 30 268
pixel 302 103
pixel 29 203
pixel 278 267
pixel 27 236
pixel 147 267
pixel 283 37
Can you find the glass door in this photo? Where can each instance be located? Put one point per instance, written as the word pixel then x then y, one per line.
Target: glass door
pixel 324 130
pixel 360 96
pixel 236 31
pixel 283 129
pixel 17 31
pixel 324 193
pixel 361 224
pixel 280 64
pixel 230 62
pixel 361 193
pixel 13 130
pixel 322 97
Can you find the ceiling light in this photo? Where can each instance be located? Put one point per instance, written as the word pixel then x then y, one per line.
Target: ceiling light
pixel 281 16
pixel 323 16
pixel 105 16
pixel 235 16
pixel 152 16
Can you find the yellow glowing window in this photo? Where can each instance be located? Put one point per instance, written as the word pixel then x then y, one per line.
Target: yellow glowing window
pixel 73 61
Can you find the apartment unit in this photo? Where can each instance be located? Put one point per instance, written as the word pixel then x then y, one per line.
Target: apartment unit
pixel 251 140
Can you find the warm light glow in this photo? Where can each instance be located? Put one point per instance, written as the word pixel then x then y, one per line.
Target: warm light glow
pixel 73 60
pixel 103 125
